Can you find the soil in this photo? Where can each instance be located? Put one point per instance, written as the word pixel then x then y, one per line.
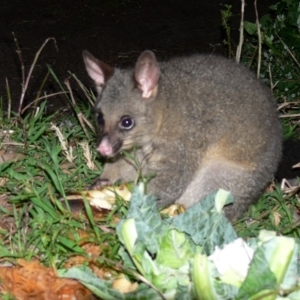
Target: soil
pixel 115 31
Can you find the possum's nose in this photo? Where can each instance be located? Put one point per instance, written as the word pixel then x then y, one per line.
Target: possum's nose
pixel 105 147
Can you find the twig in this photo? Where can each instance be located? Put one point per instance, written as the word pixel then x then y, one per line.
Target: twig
pixel 259 39
pixel 25 85
pixel 8 99
pixel 67 83
pixel 82 119
pixel 41 98
pixel 241 39
pixel 21 60
pixel 84 89
pixel 42 86
pixel 271 81
pixel 289 51
pixel 283 105
pixel 289 116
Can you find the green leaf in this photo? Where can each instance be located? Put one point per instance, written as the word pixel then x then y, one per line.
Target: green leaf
pixel 99 287
pixel 104 290
pixel 34 136
pixel 205 224
pixel 69 244
pixel 259 278
pixel 250 28
pixel 175 249
pixel 148 222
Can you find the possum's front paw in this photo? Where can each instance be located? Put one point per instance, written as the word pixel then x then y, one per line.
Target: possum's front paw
pixel 99 184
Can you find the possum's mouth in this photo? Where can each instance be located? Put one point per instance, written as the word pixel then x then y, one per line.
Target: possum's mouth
pixel 122 150
pixel 110 149
pixel 117 147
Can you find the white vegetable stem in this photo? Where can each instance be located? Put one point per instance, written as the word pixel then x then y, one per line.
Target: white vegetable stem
pixel 202 278
pixel 129 234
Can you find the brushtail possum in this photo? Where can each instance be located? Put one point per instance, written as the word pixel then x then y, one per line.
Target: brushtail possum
pixel 198 123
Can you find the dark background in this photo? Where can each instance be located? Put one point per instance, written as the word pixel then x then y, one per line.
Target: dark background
pixel 113 30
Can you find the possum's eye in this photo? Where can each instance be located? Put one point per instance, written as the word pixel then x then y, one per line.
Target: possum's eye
pixel 100 120
pixel 126 123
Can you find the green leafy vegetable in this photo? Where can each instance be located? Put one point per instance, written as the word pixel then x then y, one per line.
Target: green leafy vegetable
pixel 197 255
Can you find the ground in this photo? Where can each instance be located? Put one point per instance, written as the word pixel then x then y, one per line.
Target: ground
pixel 113 30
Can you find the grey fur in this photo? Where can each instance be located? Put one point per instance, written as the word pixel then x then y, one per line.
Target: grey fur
pixel 208 124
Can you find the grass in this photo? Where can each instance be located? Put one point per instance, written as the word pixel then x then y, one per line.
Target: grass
pixel 274 211
pixel 49 157
pixel 42 224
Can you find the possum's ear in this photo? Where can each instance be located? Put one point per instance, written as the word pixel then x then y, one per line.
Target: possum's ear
pixel 146 73
pixel 99 71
